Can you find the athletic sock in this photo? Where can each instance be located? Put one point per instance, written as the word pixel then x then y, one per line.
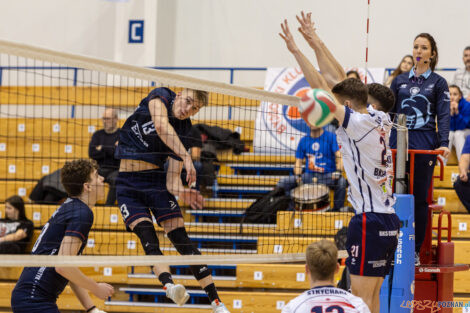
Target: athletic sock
pixel 212 292
pixel 165 278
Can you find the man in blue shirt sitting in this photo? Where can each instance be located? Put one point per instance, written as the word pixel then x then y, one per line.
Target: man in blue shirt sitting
pixel 462 185
pixel 323 162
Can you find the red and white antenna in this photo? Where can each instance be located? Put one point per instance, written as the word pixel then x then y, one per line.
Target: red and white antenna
pixel 367 39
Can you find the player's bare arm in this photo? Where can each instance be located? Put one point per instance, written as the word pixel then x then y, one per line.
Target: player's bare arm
pixel 312 76
pixel 71 246
pixel 331 70
pixel 18 235
pixel 174 186
pixel 464 164
pixel 168 135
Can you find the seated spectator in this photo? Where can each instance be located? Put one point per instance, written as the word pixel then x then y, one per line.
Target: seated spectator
pixel 405 66
pixel 462 75
pixel 320 268
pixel 15 229
pixel 102 146
pixel 323 162
pixel 353 74
pixel 462 185
pixel 459 119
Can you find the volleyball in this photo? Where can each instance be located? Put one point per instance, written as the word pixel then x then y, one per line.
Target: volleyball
pixel 317 107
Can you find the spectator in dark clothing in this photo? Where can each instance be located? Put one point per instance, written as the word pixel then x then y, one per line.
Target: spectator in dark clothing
pixel 101 149
pixel 462 184
pixel 15 229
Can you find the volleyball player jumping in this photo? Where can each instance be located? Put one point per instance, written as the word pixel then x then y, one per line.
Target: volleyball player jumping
pixel 363 136
pixel 156 133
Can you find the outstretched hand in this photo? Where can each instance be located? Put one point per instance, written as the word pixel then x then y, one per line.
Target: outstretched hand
pixel 287 36
pixel 192 197
pixel 307 28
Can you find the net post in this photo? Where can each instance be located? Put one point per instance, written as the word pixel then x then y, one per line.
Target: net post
pixel 401 154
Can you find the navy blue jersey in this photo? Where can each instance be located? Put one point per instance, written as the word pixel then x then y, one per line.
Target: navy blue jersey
pixel 72 218
pixel 138 139
pixel 422 99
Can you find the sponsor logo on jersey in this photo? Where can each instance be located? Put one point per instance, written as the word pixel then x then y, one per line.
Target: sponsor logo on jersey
pixel 136 130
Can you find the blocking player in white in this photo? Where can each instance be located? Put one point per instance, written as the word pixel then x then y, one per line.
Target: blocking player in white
pixel 363 137
pixel 321 267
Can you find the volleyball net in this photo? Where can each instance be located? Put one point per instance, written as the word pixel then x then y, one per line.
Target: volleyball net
pixel 51 104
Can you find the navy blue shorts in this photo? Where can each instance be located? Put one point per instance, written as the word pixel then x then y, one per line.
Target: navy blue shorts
pixel 139 193
pixel 371 244
pixel 21 302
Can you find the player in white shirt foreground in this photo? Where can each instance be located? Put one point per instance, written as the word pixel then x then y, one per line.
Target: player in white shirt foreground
pixel 322 265
pixel 363 137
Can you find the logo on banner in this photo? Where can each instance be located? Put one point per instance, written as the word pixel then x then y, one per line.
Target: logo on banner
pixel 136 31
pixel 282 122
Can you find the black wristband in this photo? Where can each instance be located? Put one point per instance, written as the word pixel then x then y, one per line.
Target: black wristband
pixel 93 307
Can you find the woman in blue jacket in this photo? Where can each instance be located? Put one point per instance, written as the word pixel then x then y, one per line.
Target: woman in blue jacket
pixel 459 119
pixel 423 96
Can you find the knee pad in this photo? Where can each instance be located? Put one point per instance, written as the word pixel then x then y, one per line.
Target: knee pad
pixel 180 239
pixel 148 238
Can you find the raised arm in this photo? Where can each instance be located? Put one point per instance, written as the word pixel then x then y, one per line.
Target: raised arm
pixel 168 135
pixel 314 79
pixel 330 68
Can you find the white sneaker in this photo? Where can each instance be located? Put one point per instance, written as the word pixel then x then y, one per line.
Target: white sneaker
pixel 177 293
pixel 219 307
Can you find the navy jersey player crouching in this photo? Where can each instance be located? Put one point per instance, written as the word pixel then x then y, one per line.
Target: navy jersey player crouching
pixel 65 233
pixel 158 132
pixel 321 266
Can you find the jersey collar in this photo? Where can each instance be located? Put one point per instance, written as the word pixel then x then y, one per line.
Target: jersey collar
pixel 425 74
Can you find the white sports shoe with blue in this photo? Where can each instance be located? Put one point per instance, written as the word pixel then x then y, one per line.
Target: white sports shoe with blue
pixel 177 293
pixel 219 307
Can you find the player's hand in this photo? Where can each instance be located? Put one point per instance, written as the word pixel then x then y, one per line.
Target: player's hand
pixel 192 197
pixel 445 150
pixel 287 36
pixel 463 176
pixel 307 28
pixel 104 291
pixel 468 98
pixel 96 310
pixel 98 148
pixel 190 170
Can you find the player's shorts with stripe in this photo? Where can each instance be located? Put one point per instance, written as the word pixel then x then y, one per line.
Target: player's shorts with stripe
pixel 371 244
pixel 21 302
pixel 139 193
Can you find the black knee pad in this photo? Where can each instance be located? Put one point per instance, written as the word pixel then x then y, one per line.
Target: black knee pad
pixel 148 238
pixel 180 239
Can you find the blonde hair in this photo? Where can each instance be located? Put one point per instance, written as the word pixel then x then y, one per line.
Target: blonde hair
pixel 322 258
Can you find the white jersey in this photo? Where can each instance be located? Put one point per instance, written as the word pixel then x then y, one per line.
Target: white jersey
pixel 367 159
pixel 326 299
